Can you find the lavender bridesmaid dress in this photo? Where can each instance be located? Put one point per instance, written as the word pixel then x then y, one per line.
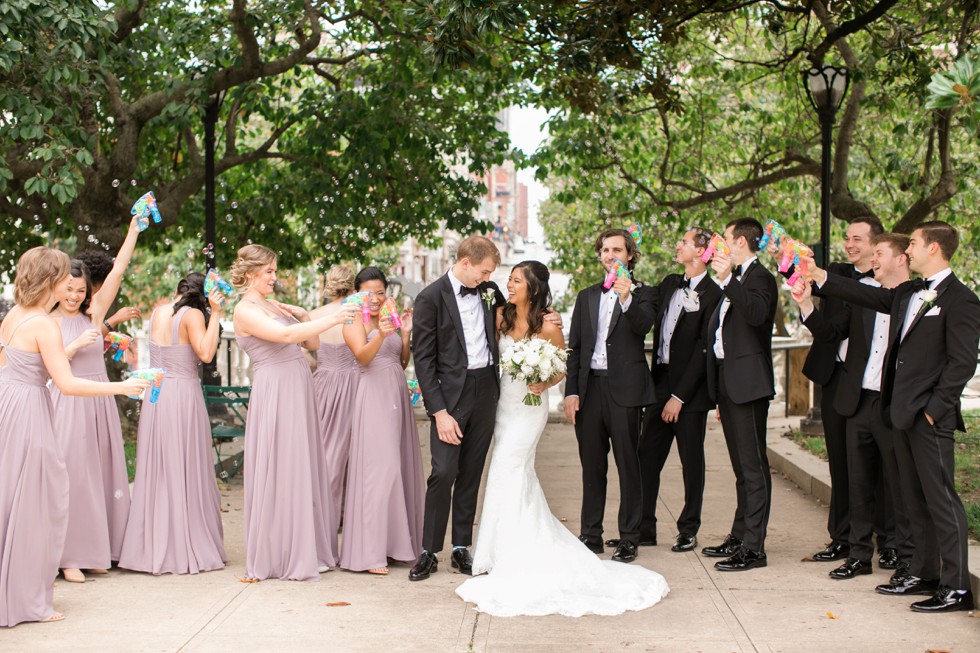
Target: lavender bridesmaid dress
pixel 90 438
pixel 287 498
pixel 175 522
pixel 385 489
pixel 335 385
pixel 33 491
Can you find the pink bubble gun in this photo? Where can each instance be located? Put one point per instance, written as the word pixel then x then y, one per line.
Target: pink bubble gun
pixel 774 231
pixel 413 386
pixel 144 208
pixel 634 231
pixel 213 281
pixel 363 300
pixel 390 310
pixel 119 343
pixel 717 244
pixel 155 376
pixel 792 250
pixel 616 270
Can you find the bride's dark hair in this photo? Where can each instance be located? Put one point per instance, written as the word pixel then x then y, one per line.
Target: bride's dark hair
pixel 536 276
pixel 191 291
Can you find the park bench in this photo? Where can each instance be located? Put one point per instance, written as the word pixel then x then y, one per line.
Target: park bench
pixel 227 406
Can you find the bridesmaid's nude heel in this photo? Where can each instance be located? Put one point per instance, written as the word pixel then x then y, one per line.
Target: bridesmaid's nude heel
pixel 73 575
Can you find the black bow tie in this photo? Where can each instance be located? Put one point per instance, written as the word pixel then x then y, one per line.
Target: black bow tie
pixel 684 283
pixel 858 275
pixel 464 291
pixel 737 270
pixel 605 290
pixel 920 284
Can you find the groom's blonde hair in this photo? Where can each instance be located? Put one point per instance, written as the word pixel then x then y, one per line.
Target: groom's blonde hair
pixel 477 249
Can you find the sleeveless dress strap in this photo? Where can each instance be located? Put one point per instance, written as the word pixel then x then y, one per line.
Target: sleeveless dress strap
pixel 22 323
pixel 175 325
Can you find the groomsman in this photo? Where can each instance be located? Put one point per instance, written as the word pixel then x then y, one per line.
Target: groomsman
pixel 870 443
pixel 740 380
pixel 932 354
pixel 681 411
pixel 607 386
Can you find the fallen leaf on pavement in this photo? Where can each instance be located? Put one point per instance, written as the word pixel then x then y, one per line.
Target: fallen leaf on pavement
pixel 336 604
pixel 831 614
pixel 248 580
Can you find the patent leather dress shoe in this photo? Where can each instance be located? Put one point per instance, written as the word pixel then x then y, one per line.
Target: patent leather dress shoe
pixel 853 567
pixel 645 540
pixel 901 571
pixel 726 549
pixel 909 585
pixel 625 552
pixel 427 565
pixel 684 542
pixel 742 561
pixel 462 560
pixel 593 545
pixel 946 600
pixel 834 551
pixel 888 558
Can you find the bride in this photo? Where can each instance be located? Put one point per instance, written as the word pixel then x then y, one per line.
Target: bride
pixel 516 521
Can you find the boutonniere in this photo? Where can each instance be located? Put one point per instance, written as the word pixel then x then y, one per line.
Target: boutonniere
pixel 929 298
pixel 488 297
pixel 690 300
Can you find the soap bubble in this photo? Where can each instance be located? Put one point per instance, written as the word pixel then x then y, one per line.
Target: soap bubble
pixel 115 183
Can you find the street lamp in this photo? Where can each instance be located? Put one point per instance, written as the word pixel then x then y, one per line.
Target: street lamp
pixel 210 119
pixel 826 87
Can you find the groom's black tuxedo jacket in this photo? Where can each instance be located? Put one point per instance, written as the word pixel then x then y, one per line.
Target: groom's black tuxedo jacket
pixel 439 345
pixel 928 369
pixel 688 357
pixel 629 372
pixel 746 337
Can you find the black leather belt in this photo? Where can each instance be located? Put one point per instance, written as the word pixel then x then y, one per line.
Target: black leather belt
pixel 598 372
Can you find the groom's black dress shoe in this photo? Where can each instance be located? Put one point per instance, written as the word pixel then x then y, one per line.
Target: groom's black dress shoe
pixel 724 550
pixel 834 551
pixel 946 600
pixel 742 561
pixel 427 565
pixel 853 567
pixel 462 560
pixel 593 545
pixel 625 552
pixel 907 585
pixel 888 558
pixel 645 540
pixel 684 542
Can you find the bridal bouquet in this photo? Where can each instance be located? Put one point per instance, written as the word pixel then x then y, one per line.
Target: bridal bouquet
pixel 533 361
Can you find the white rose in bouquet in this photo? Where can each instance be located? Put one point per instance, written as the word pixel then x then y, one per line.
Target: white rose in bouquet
pixel 533 361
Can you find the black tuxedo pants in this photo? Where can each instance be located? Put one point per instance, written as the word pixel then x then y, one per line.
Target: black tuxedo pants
pixel 655 443
pixel 871 461
pixel 938 520
pixel 457 469
pixel 745 434
pixel 599 423
pixel 835 437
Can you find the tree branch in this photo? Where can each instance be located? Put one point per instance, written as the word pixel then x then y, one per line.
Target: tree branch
pixel 127 20
pixel 945 187
pixel 246 37
pixel 847 27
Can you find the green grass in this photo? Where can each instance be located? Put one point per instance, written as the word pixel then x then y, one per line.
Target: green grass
pixel 967 450
pixel 130 448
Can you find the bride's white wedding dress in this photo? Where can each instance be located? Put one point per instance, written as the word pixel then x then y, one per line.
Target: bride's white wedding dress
pixel 533 565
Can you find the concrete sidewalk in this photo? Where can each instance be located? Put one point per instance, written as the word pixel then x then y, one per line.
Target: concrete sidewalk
pixel 789 606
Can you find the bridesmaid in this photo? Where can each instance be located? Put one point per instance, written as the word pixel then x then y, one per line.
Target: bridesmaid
pixel 335 384
pixel 175 524
pixel 286 494
pixel 87 428
pixel 385 497
pixel 33 477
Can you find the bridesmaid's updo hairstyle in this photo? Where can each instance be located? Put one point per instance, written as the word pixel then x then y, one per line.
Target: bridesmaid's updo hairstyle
pixel 250 258
pixel 370 274
pixel 39 270
pixel 80 271
pixel 536 276
pixel 338 283
pixel 191 291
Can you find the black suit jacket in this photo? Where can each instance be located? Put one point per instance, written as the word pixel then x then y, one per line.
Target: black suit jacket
pixel 746 336
pixel 820 362
pixel 687 370
pixel 857 324
pixel 928 369
pixel 439 345
pixel 629 372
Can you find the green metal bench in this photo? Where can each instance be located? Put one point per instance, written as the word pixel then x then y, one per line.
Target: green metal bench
pixel 228 424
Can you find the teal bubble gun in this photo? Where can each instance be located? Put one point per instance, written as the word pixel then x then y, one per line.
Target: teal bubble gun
pixel 119 343
pixel 413 386
pixel 616 270
pixel 774 231
pixel 390 311
pixel 634 231
pixel 155 376
pixel 144 209
pixel 213 281
pixel 362 299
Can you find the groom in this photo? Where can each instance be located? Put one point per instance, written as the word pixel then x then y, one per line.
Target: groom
pixel 456 363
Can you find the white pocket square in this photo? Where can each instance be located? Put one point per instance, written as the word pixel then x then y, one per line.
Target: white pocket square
pixel 932 312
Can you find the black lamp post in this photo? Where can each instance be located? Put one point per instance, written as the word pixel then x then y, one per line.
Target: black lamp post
pixel 210 120
pixel 826 87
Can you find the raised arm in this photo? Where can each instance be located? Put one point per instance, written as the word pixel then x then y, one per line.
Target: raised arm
pixel 204 339
pixel 102 300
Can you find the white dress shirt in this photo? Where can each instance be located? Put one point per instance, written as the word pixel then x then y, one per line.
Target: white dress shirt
pixel 607 304
pixel 915 303
pixel 471 311
pixel 718 347
pixel 671 317
pixel 879 344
